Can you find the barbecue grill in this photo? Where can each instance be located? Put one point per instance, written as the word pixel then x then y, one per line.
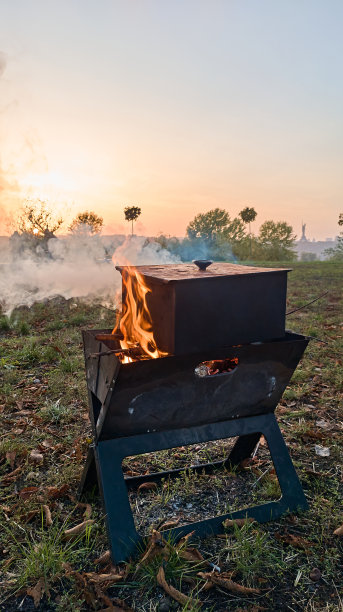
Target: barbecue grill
pixel 205 387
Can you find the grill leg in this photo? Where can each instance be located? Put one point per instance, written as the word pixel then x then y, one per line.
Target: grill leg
pixel 293 497
pixel 242 449
pixel 120 524
pixel 89 478
pixel 108 454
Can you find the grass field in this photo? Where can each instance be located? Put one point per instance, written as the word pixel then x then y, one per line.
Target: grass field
pixel 291 564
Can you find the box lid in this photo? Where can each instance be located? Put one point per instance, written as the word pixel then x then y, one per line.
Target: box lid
pixel 171 273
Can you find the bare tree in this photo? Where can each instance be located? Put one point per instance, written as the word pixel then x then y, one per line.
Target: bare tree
pixel 38 220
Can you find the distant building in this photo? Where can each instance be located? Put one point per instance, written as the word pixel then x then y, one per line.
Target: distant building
pixel 312 249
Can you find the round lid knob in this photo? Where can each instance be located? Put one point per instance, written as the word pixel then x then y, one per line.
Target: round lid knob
pixel 202 263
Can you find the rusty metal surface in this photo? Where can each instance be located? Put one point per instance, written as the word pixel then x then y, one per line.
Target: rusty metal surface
pixel 166 393
pixel 191 316
pixel 168 273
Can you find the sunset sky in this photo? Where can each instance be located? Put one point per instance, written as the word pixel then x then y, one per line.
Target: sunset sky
pixel 177 106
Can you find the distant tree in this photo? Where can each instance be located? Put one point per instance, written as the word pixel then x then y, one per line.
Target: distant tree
pixel 275 242
pixel 131 214
pixel 248 215
pixel 336 253
pixel 35 226
pixel 208 225
pixel 215 234
pixel 213 224
pixel 38 220
pixel 86 223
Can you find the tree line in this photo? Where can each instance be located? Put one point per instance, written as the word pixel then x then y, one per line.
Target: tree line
pixel 213 235
pixel 217 236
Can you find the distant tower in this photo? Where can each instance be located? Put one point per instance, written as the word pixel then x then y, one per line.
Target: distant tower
pixel 303 227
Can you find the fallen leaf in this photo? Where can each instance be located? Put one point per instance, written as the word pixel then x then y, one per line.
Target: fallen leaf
pixel 169 525
pixel 88 508
pixel 293 540
pixel 12 475
pixel 26 518
pixel 317 474
pixel 108 579
pixel 48 444
pixel 47 514
pixel 57 492
pixel 57 349
pixel 224 581
pixel 191 554
pixel 239 522
pixel 104 558
pixel 38 591
pixel 147 486
pixel 184 540
pixel 157 546
pixel 10 456
pixel 128 472
pixel 36 456
pixel 339 531
pixel 311 435
pixel 324 424
pixel 27 492
pixel 8 562
pixel 77 530
pixel 174 593
pixel 82 584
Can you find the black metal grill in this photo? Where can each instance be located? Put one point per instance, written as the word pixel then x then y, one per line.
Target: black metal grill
pixel 155 404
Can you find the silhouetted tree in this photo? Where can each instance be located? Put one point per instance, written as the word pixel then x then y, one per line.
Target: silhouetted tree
pixel 86 223
pixel 35 226
pixel 131 214
pixel 38 220
pixel 248 215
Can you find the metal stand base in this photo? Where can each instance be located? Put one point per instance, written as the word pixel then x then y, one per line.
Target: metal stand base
pixel 104 467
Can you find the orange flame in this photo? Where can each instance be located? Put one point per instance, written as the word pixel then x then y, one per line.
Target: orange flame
pixel 135 324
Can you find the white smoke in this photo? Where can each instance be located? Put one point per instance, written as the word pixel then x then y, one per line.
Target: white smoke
pixel 74 267
pixel 137 250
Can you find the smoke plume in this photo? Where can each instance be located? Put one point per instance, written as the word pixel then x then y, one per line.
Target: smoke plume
pixel 72 267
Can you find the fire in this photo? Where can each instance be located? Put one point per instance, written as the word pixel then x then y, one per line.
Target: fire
pixel 135 324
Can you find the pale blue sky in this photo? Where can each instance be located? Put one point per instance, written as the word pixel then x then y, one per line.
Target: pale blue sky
pixel 176 106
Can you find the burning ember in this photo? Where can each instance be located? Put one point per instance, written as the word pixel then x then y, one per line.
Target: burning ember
pixel 135 324
pixel 216 366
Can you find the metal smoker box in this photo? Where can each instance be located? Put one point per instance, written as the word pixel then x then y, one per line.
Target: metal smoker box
pixel 226 304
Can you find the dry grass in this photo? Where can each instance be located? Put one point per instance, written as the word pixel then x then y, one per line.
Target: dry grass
pixel 43 408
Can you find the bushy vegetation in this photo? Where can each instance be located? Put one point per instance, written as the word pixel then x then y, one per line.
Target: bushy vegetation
pixel 336 253
pixel 214 235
